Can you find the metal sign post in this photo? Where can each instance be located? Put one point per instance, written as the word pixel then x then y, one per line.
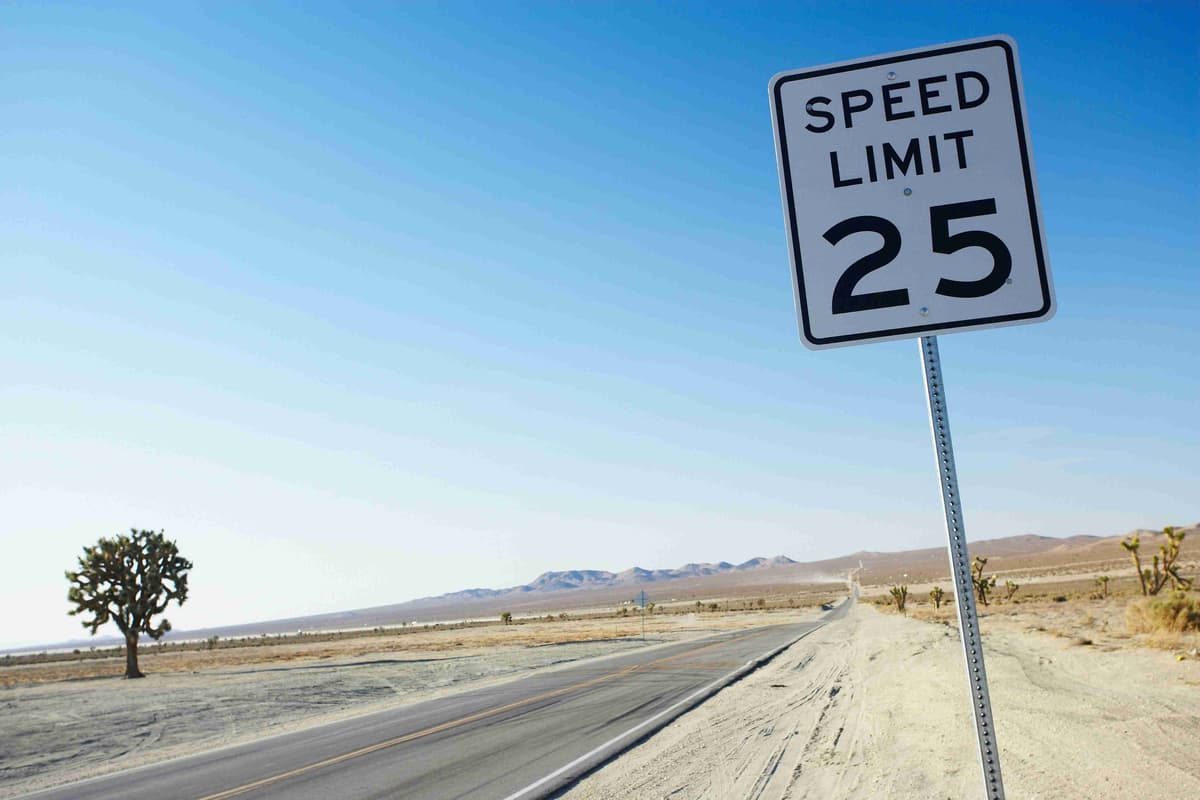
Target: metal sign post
pixel 960 568
pixel 911 207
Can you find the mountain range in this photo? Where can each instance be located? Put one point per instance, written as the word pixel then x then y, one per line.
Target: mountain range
pixel 596 578
pixel 587 588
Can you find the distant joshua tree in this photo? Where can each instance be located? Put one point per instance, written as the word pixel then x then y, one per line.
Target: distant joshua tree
pixel 1131 544
pixel 1010 589
pixel 506 617
pixel 982 585
pixel 129 580
pixel 1165 569
pixel 1102 582
pixel 936 594
pixel 900 596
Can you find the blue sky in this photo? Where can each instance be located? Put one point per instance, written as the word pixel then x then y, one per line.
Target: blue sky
pixel 366 303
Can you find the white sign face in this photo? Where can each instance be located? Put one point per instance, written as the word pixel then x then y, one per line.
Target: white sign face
pixel 909 195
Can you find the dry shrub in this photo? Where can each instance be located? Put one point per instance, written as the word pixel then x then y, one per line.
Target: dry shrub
pixel 1174 613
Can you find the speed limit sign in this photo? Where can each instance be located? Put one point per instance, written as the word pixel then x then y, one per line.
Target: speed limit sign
pixel 909 194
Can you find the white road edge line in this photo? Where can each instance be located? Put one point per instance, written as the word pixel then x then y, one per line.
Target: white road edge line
pixel 569 766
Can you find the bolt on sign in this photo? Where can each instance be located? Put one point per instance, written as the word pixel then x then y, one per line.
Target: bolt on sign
pixel 909 194
pixel 911 207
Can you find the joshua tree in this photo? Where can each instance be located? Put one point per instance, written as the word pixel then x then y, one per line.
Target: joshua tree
pixel 1169 551
pixel 936 594
pixel 506 617
pixel 900 595
pixel 982 585
pixel 1010 589
pixel 1102 582
pixel 128 580
pixel 1131 544
pixel 1165 568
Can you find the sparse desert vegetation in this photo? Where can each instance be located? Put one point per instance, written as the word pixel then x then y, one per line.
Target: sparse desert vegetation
pixel 1177 612
pixel 1092 607
pixel 16 669
pixel 199 697
pixel 1095 681
pixel 1128 609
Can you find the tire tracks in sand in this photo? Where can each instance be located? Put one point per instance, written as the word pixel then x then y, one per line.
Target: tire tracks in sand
pixel 797 739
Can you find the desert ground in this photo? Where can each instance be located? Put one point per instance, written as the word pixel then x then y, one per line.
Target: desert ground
pixel 71 719
pixel 875 705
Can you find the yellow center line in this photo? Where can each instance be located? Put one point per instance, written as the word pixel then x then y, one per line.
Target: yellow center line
pixel 702 665
pixel 452 724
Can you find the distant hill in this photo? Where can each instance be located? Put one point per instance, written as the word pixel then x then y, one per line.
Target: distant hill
pixel 584 588
pixel 569 589
pixel 595 579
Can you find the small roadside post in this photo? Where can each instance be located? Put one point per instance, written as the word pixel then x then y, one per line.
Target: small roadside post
pixel 911 208
pixel 642 604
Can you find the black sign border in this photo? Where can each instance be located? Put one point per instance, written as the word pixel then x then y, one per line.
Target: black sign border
pixel 1030 193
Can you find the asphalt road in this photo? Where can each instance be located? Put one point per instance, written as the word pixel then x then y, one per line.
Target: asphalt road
pixel 514 741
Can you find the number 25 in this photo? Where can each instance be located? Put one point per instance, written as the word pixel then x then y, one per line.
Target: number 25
pixel 844 299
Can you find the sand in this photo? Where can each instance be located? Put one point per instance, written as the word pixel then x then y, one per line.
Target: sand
pixel 875 706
